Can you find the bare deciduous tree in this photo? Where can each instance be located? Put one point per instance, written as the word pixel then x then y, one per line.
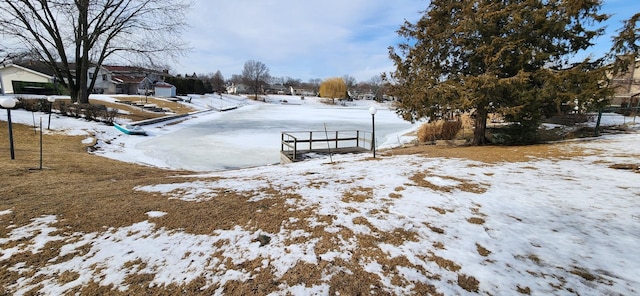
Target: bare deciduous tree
pixel 314 83
pixel 349 81
pixel 255 74
pixel 73 36
pixel 217 82
pixel 376 84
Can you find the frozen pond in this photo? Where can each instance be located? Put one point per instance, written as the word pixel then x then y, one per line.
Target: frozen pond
pixel 250 136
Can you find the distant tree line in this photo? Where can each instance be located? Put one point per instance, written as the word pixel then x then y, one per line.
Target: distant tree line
pixel 198 83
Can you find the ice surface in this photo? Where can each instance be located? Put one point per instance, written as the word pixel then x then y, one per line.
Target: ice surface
pixel 251 135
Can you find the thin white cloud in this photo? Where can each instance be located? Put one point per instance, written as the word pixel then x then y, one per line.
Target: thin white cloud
pixel 314 39
pixel 301 39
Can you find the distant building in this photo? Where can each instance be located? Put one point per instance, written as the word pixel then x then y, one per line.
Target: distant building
pixel 14 74
pixel 303 91
pixel 163 89
pixel 109 79
pixel 235 89
pixel 627 86
pixel 130 80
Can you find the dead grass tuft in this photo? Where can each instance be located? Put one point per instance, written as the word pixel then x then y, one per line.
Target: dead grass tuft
pixel 482 250
pixel 395 195
pixel 438 130
pixel 626 166
pixel 583 273
pixel 525 290
pixel 444 263
pixel 439 245
pixel 399 237
pixel 476 220
pixel 358 194
pixel 435 229
pixel 68 276
pixel 460 184
pixel 468 283
pixel 439 210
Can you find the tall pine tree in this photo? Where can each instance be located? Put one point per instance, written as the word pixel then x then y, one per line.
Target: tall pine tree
pixel 479 54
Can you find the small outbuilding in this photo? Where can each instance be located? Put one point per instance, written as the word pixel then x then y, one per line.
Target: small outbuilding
pixel 163 89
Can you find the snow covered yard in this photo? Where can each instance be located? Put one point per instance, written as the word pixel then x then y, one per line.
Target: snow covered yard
pixel 391 225
pixel 564 220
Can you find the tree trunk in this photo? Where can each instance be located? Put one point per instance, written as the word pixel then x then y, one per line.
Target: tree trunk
pixel 480 125
pixel 73 93
pixel 82 61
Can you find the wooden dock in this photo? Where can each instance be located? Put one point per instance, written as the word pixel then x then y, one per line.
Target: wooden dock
pixel 297 146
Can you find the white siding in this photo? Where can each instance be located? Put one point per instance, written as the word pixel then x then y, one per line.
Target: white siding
pixel 16 73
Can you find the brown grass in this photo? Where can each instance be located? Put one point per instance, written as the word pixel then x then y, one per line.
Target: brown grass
pixel 463 185
pixel 468 283
pixel 490 154
pixel 482 250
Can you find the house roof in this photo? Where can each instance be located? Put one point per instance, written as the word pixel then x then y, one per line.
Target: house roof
pixel 162 84
pixel 39 73
pixel 128 79
pixel 132 70
pixel 38 66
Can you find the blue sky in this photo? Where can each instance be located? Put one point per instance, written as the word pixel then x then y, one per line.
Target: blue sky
pixel 316 38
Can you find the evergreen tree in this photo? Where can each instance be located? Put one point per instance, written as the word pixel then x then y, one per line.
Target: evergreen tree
pixel 626 45
pixel 474 55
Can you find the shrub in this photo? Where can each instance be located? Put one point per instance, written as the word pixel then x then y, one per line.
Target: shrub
pixel 520 133
pixel 450 129
pixel 439 130
pixel 92 112
pixel 73 110
pixel 110 115
pixel 429 131
pixel 34 105
pixel 62 107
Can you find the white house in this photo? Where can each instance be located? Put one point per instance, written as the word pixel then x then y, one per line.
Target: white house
pixel 105 82
pixel 12 72
pixel 237 89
